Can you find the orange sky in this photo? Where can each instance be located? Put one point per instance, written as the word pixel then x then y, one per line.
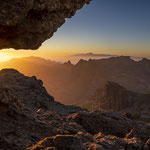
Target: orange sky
pixel 58 53
pixel 94 29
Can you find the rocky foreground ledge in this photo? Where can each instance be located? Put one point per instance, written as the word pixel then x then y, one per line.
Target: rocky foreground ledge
pixel 26 24
pixel 31 119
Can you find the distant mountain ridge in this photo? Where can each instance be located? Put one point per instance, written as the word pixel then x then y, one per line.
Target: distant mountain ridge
pixel 101 56
pixel 73 84
pixel 94 55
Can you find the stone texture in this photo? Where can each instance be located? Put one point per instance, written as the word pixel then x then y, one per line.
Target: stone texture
pixel 110 123
pixel 31 119
pixel 28 113
pixel 68 142
pixel 26 24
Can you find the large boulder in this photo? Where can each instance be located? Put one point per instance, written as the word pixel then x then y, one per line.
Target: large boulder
pixel 68 142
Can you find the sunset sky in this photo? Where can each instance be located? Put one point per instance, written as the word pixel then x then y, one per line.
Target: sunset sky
pixel 104 26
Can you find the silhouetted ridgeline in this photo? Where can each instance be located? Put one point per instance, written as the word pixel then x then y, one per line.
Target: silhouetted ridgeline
pixel 73 84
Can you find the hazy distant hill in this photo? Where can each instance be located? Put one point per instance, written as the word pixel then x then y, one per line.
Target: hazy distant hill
pixel 73 84
pixel 90 55
pixel 94 55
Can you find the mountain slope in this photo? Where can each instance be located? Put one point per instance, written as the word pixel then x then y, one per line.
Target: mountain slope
pixel 73 84
pixel 23 100
pixel 31 119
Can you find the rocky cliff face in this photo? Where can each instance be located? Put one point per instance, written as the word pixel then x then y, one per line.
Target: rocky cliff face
pixel 117 98
pixel 31 119
pixel 26 24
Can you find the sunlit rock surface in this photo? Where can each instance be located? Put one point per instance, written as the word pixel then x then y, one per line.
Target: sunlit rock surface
pixel 26 24
pixel 100 131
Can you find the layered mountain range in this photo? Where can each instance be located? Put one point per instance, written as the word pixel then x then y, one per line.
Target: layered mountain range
pixel 31 119
pixel 74 84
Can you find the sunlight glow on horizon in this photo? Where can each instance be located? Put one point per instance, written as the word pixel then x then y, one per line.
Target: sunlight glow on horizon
pixel 5 57
pixel 63 54
pixel 96 30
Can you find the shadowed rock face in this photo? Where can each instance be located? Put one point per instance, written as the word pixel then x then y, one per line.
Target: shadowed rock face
pixel 117 98
pixel 26 24
pixel 31 119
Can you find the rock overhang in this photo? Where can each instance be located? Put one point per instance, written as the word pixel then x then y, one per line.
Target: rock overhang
pixel 26 24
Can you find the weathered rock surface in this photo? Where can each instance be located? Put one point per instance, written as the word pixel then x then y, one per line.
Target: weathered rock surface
pixel 62 142
pixel 25 111
pixel 109 123
pixel 28 94
pixel 104 130
pixel 26 24
pixel 31 119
